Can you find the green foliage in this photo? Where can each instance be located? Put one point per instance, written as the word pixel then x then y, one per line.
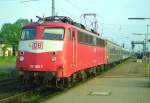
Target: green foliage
pixel 7 60
pixel 4 75
pixel 10 33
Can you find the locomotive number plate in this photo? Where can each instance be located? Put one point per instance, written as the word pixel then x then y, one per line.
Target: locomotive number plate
pixel 36 66
pixel 37 45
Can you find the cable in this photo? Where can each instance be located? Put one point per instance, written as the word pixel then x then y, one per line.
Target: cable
pixel 70 14
pixel 90 24
pixel 23 1
pixel 74 5
pixel 8 0
pixel 34 9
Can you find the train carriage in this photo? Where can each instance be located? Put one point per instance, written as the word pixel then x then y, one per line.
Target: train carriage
pixel 125 53
pixel 114 52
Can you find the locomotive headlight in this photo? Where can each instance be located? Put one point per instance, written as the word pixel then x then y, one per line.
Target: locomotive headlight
pixel 54 56
pixel 21 58
pixel 53 59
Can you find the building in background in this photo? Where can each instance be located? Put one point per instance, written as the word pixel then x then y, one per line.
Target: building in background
pixel 8 50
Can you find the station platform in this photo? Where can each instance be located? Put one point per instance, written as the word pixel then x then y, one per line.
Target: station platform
pixel 125 83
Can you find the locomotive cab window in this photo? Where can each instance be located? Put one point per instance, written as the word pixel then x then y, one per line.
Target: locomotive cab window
pixel 53 33
pixel 71 35
pixel 28 34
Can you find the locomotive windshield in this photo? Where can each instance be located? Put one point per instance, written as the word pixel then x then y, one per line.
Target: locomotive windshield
pixel 28 34
pixel 53 33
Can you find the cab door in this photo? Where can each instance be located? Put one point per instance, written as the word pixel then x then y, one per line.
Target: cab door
pixel 72 48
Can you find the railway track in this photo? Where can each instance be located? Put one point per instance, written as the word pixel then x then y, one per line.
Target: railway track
pixel 13 99
pixel 8 81
pixel 11 87
pixel 18 98
pixel 42 92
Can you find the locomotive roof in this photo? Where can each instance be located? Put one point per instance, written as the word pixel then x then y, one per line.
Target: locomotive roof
pixel 58 24
pixel 61 19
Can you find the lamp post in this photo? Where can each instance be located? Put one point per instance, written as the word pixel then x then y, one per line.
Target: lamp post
pixel 147 36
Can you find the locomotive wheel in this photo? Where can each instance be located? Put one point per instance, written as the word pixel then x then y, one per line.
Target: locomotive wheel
pixel 74 78
pixel 90 72
pixel 106 67
pixel 98 70
pixel 102 68
pixel 64 83
pixel 83 75
pixel 68 83
pixel 94 71
pixel 60 84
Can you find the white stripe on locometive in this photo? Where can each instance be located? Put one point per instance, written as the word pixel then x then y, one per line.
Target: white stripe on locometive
pixel 47 46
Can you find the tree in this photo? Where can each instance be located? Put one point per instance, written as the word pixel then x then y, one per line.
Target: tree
pixel 17 26
pixel 5 33
pixel 10 33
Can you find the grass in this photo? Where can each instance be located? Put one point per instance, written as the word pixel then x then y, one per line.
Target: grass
pixel 4 75
pixel 30 99
pixel 7 60
pixel 4 62
pixel 9 75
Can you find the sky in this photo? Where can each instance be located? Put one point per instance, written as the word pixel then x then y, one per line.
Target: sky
pixel 112 15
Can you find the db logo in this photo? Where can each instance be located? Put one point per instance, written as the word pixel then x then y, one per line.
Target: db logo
pixel 37 45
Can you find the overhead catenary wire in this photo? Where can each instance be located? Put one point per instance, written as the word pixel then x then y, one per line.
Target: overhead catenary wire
pixel 77 8
pixel 38 11
pixel 23 1
pixel 85 19
pixel 67 12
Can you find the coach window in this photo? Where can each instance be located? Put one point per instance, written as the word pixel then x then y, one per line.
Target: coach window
pixel 81 38
pixel 85 38
pixel 90 39
pixel 100 42
pixel 79 35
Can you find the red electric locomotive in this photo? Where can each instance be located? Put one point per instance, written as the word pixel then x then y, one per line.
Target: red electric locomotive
pixel 58 50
